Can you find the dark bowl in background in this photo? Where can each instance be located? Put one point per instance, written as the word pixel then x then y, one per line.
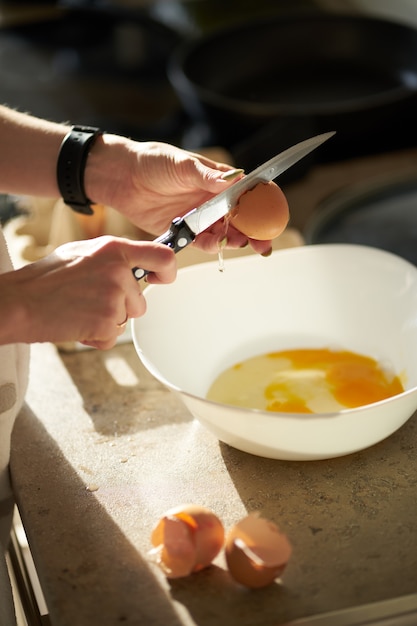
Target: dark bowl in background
pixel 264 84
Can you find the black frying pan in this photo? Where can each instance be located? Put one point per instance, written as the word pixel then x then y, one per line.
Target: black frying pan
pixel 381 213
pixel 280 78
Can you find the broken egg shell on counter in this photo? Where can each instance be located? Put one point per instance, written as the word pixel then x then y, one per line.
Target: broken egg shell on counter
pixel 261 213
pixel 256 551
pixel 186 540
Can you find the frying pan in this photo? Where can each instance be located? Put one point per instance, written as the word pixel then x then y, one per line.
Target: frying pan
pixel 380 213
pixel 271 80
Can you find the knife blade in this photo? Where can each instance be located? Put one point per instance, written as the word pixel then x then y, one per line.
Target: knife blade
pixel 184 230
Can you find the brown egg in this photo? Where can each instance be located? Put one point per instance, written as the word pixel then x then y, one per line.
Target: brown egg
pixel 186 540
pixel 262 212
pixel 256 552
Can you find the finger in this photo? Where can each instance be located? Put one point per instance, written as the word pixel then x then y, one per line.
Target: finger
pixel 210 162
pixel 122 325
pixel 158 259
pixel 234 238
pixel 215 177
pixel 261 247
pixel 209 242
pixel 221 234
pixel 134 303
pixel 104 340
pixel 110 321
pixel 109 338
pixel 100 344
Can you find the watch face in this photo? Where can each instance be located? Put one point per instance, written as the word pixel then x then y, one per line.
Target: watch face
pixel 88 130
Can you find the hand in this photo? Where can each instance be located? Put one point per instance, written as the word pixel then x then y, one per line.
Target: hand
pixel 153 182
pixel 84 291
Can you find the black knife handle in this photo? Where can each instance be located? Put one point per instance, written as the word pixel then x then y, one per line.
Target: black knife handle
pixel 177 237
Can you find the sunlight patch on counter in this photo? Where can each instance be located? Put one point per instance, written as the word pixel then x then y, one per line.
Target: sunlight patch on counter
pixel 120 370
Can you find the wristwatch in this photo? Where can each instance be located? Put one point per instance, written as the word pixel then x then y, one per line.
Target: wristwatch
pixel 72 158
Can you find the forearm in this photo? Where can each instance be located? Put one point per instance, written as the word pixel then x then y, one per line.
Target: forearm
pixel 149 183
pixel 29 152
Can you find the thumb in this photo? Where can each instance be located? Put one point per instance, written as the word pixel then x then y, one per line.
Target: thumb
pixel 216 181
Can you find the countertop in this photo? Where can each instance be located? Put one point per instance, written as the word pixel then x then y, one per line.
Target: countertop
pixel 101 450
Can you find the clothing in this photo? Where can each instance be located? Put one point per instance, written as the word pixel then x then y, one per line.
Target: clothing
pixel 7 612
pixel 14 372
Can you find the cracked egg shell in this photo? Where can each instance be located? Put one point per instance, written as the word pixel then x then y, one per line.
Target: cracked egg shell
pixel 186 540
pixel 256 551
pixel 262 212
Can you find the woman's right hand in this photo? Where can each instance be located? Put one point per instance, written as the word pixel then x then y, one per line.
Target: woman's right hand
pixel 84 291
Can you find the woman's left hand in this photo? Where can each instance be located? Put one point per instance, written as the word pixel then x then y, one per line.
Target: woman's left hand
pixel 151 183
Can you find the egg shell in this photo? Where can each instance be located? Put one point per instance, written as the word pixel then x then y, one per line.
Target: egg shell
pixel 187 539
pixel 262 212
pixel 256 551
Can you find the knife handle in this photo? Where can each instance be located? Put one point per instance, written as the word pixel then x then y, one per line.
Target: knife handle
pixel 177 237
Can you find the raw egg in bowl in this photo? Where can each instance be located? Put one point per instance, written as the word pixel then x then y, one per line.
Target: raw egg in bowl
pixel 332 300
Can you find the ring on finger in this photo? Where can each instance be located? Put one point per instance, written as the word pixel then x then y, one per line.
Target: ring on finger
pixel 123 324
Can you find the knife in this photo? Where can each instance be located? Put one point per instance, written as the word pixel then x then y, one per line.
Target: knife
pixel 184 230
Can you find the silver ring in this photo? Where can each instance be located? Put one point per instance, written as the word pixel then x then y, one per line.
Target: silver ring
pixel 123 324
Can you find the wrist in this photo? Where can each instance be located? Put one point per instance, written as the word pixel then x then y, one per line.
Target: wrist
pixel 107 169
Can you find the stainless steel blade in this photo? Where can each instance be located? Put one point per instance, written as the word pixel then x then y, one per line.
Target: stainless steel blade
pixel 203 217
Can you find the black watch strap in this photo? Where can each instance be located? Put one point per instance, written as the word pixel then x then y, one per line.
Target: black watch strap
pixel 71 165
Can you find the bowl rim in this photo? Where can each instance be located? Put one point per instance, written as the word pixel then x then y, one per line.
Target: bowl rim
pixel 308 248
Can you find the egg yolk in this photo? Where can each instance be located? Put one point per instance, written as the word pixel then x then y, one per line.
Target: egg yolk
pixel 305 381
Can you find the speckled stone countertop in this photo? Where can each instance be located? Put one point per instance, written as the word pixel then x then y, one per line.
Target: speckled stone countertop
pixel 101 450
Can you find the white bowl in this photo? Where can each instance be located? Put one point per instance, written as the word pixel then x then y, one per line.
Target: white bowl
pixel 350 297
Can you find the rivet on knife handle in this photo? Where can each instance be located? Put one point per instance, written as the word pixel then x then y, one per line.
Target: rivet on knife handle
pixel 177 237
